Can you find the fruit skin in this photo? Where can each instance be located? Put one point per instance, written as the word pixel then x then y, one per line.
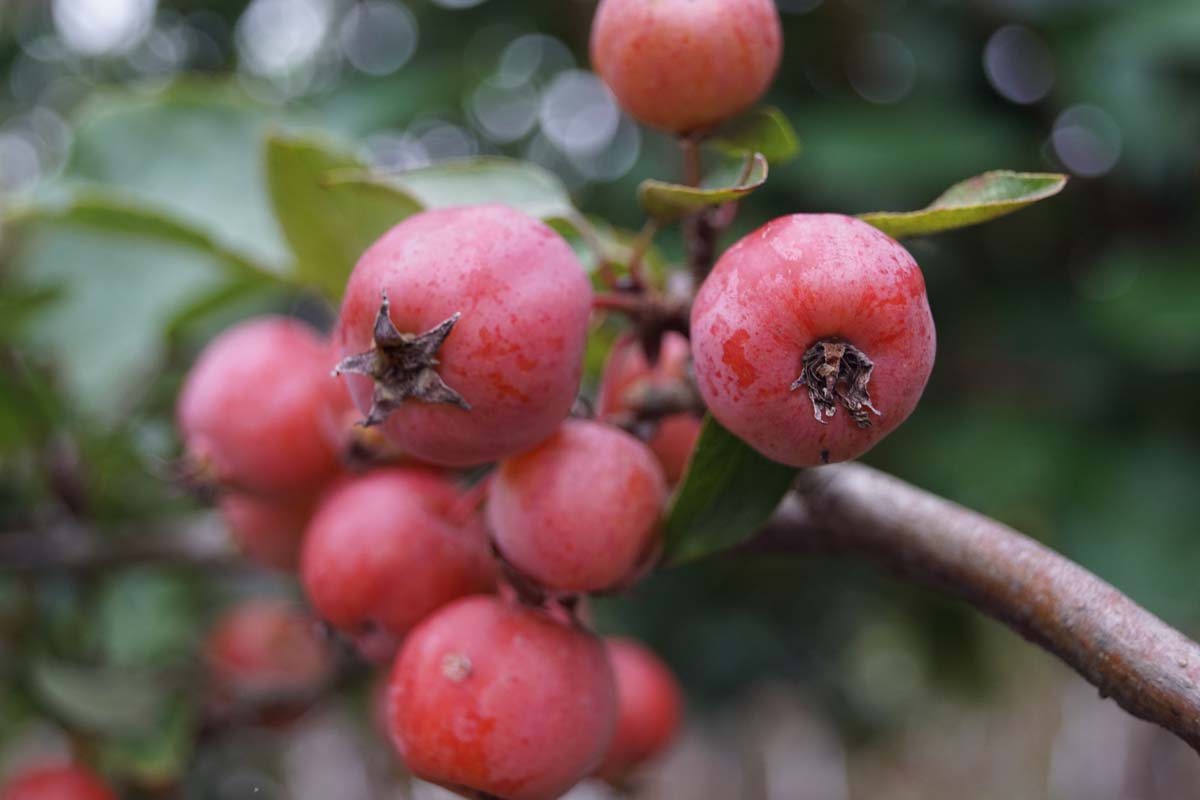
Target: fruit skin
pixel 268 530
pixel 63 782
pixel 581 512
pixel 250 411
pixel 386 548
pixel 515 355
pixel 778 290
pixel 684 65
pixel 628 373
pixel 501 698
pixel 266 647
pixel 649 708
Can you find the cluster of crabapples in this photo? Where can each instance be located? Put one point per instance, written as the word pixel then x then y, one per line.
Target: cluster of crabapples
pixel 460 345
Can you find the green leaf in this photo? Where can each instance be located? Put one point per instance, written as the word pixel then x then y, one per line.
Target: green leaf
pixel 491 179
pixel 328 225
pixel 131 637
pixel 762 130
pixel 670 201
pixel 975 200
pixel 729 490
pixel 99 699
pixel 109 213
pixel 159 755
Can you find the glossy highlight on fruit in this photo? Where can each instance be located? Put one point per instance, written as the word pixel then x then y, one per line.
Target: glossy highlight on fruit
pixel 513 355
pixel 778 307
pixel 495 697
pixel 581 512
pixel 251 410
pixel 684 65
pixel 386 548
pixel 59 782
pixel 649 708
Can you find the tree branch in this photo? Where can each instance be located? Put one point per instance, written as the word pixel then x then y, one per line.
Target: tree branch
pixel 1149 668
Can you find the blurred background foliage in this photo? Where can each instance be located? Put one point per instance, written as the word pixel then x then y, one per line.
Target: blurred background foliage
pixel 1063 401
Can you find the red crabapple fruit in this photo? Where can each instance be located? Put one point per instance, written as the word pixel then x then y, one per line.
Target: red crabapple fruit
pixel 501 699
pixel 629 379
pixel 580 512
pixel 822 303
pixel 268 530
pixel 250 409
pixel 61 782
pixel 385 549
pixel 684 65
pixel 266 647
pixel 649 708
pixel 462 333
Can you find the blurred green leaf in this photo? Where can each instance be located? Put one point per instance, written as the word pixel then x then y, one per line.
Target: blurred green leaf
pixel 970 202
pixel 762 130
pixel 159 755
pixel 729 490
pixel 108 213
pixel 670 201
pixel 132 637
pixel 520 184
pixel 100 699
pixel 328 224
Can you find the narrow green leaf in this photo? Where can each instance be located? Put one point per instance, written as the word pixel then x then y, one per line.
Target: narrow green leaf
pixel 670 201
pixel 491 179
pixel 327 224
pixel 975 200
pixel 729 490
pixel 97 698
pixel 761 130
pixel 112 214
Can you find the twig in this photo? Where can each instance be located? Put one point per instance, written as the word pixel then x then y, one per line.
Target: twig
pixel 1149 668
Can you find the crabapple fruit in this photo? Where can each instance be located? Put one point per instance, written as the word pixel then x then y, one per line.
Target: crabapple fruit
pixel 629 378
pixel 267 529
pixel 386 548
pixel 820 302
pixel 649 707
pixel 250 410
pixel 581 511
pixel 685 65
pixel 499 698
pixel 60 782
pixel 463 332
pixel 266 647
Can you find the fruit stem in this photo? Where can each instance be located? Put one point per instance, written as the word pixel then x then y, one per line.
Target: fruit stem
pixel 836 372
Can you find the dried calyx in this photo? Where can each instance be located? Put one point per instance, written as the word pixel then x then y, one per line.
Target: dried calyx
pixel 402 366
pixel 837 372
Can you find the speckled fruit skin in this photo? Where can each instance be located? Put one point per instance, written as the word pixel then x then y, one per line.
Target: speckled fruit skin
pixel 500 698
pixel 649 708
pixel 628 372
pixel 266 647
pixel 685 65
pixel 65 782
pixel 580 512
pixel 250 410
pixel 268 530
pixel 778 290
pixel 516 354
pixel 386 548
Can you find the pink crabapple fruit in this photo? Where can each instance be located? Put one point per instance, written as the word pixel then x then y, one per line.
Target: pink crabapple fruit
pixel 250 409
pixel 266 648
pixel 629 377
pixel 385 549
pixel 268 530
pixel 462 333
pixel 580 512
pixel 501 699
pixel 810 314
pixel 59 782
pixel 649 708
pixel 684 65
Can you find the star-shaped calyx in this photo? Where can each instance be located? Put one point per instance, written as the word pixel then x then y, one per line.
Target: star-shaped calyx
pixel 402 366
pixel 837 372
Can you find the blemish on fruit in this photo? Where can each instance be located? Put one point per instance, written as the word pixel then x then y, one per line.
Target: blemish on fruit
pixel 456 667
